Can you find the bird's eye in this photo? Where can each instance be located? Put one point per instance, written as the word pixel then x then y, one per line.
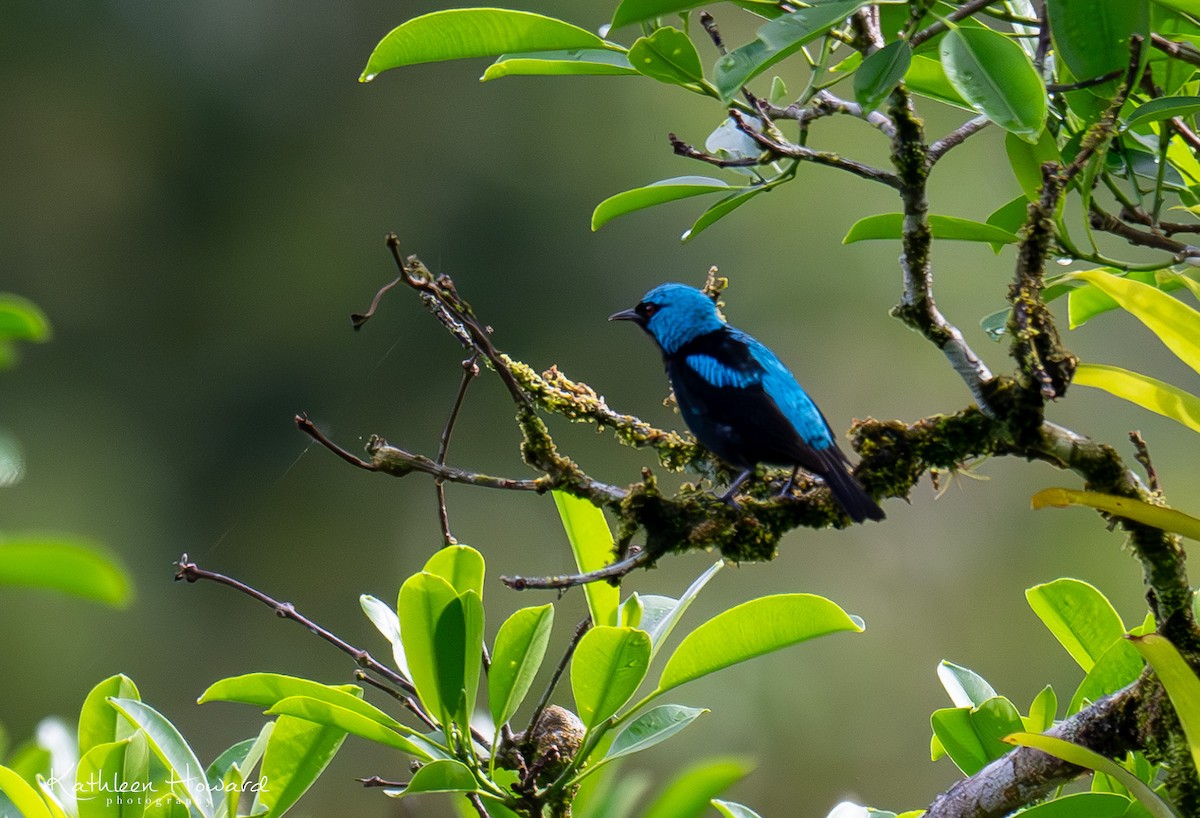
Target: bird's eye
pixel 647 309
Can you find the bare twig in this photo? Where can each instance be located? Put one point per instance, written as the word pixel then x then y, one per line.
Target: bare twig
pixel 376 781
pixel 955 138
pixel 1180 51
pixel 583 627
pixel 1102 220
pixel 823 104
pixel 407 702
pixel 612 571
pixel 960 13
pixel 399 462
pixel 685 150
pixel 309 428
pixel 470 372
pixel 1142 456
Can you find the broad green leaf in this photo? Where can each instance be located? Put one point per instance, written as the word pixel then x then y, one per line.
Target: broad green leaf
pixel 1176 324
pixel 689 793
pixel 22 320
pixel 661 614
pixel 751 629
pixel 776 40
pixel 592 545
pixel 101 765
pixel 1148 393
pixel 455 34
pixel 98 721
pixel 385 620
pixel 422 599
pixel 446 775
pixel 652 727
pixel 1081 805
pixel 606 670
pixel 245 754
pixel 1080 617
pixel 722 209
pixel 232 785
pixel 1180 681
pixel 635 11
pixel 574 62
pixel 1191 7
pixel 1086 302
pixel 890 226
pixel 349 721
pixel 973 737
pixel 460 565
pixel 77 568
pixel 879 73
pixel 731 809
pixel 23 796
pixel 1162 517
pixel 1092 37
pixel 458 648
pixel 265 689
pixel 1119 666
pixel 1011 218
pixel 298 751
pixel 629 615
pixel 1163 108
pixel 668 56
pixel 1042 711
pixel 52 800
pixel 997 78
pixel 173 751
pixel 1026 159
pixel 965 687
pixel 927 77
pixel 516 656
pixel 667 190
pixel 1083 757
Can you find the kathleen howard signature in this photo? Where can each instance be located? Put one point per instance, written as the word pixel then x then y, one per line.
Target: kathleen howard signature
pixel 116 790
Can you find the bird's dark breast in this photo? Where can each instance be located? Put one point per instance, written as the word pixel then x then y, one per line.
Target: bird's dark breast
pixel 742 425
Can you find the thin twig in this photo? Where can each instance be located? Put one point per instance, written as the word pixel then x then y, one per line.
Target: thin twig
pixel 955 138
pixel 1108 223
pixel 470 372
pixel 408 703
pixel 1180 51
pixel 376 781
pixel 962 12
pixel 477 803
pixel 683 149
pixel 612 571
pixel 309 428
pixel 824 103
pixel 1142 455
pixel 584 625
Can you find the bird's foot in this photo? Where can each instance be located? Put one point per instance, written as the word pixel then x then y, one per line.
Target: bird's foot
pixel 729 498
pixel 790 484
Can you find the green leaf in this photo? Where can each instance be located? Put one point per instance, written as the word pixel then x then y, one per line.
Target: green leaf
pixel 77 568
pixel 1086 302
pixel 1009 217
pixel 1083 757
pixel 52 800
pixel 666 190
pixel 460 565
pixel 776 40
pixel 997 78
pixel 1148 393
pixel 730 809
pixel 1119 666
pixel 1162 108
pixel 244 755
pixel 1176 324
pixel 446 775
pixel 98 767
pixel 1080 617
pixel 1180 681
pixel 668 56
pixel 880 73
pixel 387 623
pixel 24 797
pixel 1162 517
pixel 606 670
pixel 652 727
pixel 1042 711
pixel 422 599
pixel 458 648
pixel 722 209
pixel 973 737
pixel 265 689
pixel 635 11
pixel 661 614
pixel 751 629
pixel 455 34
pixel 298 751
pixel 519 648
pixel 350 721
pixel 688 794
pixel 1081 805
pixel 927 77
pixel 891 225
pixel 232 784
pixel 190 784
pixel 1026 159
pixel 965 687
pixel 592 545
pixel 573 62
pixel 1092 37
pixel 98 721
pixel 22 320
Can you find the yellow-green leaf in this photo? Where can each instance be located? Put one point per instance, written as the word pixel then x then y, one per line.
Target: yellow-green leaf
pixel 1168 519
pixel 1148 393
pixel 1180 681
pixel 592 544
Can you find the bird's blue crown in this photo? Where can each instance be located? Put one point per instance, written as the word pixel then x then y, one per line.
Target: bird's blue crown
pixel 680 314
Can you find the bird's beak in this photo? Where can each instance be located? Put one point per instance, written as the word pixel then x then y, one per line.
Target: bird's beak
pixel 630 314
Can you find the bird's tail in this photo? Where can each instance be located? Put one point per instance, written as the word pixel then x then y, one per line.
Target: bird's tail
pixel 846 490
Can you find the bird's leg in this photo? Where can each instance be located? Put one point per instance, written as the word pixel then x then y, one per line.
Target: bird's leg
pixel 728 496
pixel 791 481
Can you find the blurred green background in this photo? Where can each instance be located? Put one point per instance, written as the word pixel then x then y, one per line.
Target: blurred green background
pixel 197 194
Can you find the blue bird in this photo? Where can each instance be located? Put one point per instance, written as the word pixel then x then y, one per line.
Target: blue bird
pixel 738 398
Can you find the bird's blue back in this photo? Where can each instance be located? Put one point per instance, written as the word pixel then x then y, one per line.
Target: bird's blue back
pixel 684 316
